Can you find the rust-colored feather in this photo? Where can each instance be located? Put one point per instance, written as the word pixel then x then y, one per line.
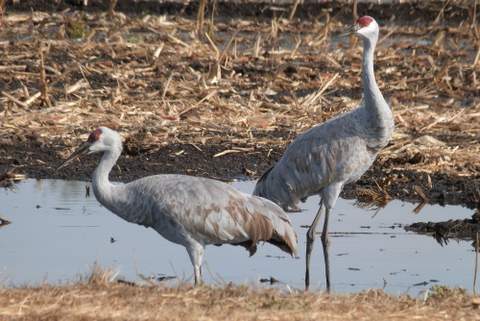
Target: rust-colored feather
pixel 263 221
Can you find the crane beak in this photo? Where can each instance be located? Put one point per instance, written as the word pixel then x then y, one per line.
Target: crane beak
pixel 350 30
pixel 83 149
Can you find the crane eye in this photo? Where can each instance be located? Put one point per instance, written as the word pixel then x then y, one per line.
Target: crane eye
pixel 94 136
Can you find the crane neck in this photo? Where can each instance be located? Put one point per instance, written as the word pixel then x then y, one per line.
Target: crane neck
pixel 371 92
pixel 378 114
pixel 103 189
pixel 374 102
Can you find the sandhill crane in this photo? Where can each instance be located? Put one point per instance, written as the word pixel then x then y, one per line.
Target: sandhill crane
pixel 190 211
pixel 326 157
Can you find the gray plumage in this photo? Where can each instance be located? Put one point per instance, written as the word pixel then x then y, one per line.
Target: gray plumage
pixel 325 158
pixel 190 211
pixel 338 151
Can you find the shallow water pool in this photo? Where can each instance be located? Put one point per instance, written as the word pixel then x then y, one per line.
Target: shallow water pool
pixel 57 233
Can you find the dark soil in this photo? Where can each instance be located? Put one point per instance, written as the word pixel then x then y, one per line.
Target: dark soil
pixel 260 9
pixel 37 157
pixel 465 229
pixel 38 160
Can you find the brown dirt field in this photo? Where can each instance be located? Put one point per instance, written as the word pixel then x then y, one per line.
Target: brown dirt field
pixel 113 301
pixel 227 102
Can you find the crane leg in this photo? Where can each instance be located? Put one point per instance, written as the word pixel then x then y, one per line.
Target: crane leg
pixel 310 241
pixel 198 275
pixel 325 244
pixel 329 197
pixel 195 251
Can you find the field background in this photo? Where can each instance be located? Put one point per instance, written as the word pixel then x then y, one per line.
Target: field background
pixel 222 93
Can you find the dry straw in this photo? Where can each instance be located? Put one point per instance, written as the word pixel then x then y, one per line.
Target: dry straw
pixel 247 83
pixel 103 300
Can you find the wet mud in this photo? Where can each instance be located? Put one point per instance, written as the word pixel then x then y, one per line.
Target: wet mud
pixel 465 229
pixel 39 159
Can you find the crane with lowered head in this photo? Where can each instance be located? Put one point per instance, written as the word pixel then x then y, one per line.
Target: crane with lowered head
pixel 190 211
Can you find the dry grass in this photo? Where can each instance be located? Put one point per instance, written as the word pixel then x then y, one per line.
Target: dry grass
pixel 113 301
pixel 98 296
pixel 246 82
pixel 375 197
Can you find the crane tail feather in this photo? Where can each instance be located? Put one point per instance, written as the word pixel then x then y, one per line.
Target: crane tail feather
pixel 286 242
pixel 261 220
pixel 274 227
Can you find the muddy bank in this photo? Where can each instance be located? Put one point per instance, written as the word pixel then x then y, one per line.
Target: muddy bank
pixel 224 101
pixel 376 187
pixel 465 229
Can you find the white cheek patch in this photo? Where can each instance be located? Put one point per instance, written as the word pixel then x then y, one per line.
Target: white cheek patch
pixel 371 28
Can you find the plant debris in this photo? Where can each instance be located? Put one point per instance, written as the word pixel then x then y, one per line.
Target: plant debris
pixel 4 222
pixel 8 178
pixel 126 300
pixel 464 229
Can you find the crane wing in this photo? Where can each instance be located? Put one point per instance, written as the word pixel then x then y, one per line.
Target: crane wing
pixel 313 160
pixel 213 212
